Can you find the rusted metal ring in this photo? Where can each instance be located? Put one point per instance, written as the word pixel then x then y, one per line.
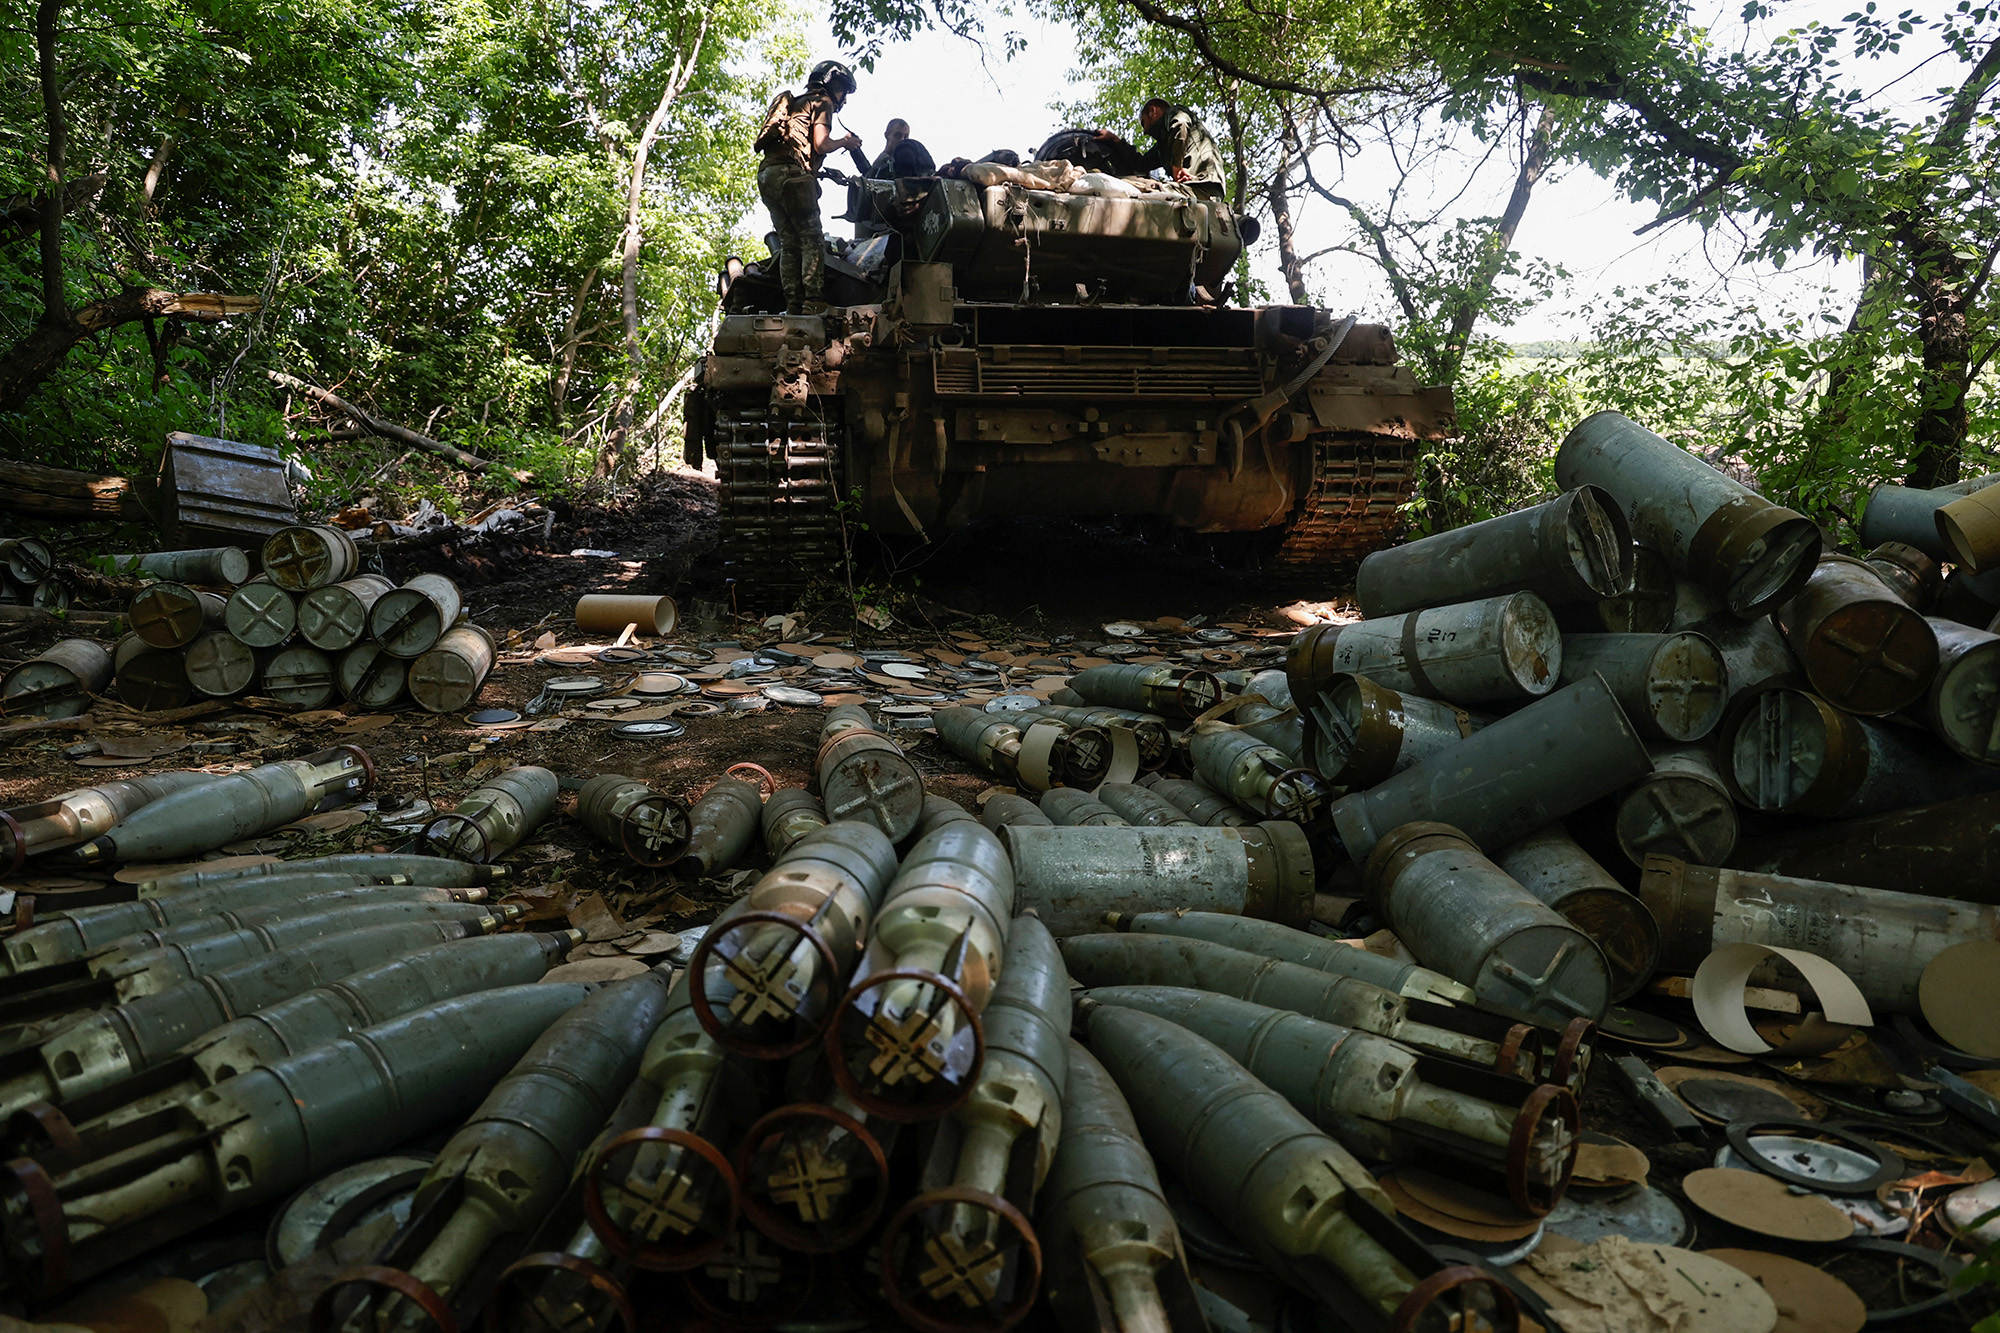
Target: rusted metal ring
pixel 1195 707
pixel 767 783
pixel 903 1113
pixel 1519 1143
pixel 729 1038
pixel 1008 1315
pixel 614 1291
pixel 1507 1310
pixel 425 835
pixel 1520 1038
pixel 735 1317
pixel 1306 783
pixel 671 810
pixel 367 765
pixel 380 1275
pixel 1099 766
pixel 41 1121
pixel 50 1223
pixel 657 1258
pixel 1572 1054
pixel 17 837
pixel 773 1223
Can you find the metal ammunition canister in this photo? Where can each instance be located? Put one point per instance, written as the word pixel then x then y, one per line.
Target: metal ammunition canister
pixel 1863 647
pixel 149 679
pixel 1907 515
pixel 1203 804
pixel 1268 939
pixel 1500 650
pixel 77 816
pixel 790 814
pixel 1073 876
pixel 173 615
pixel 335 618
pixel 866 776
pixel 449 676
pixel 1750 552
pixel 1007 807
pixel 966 1253
pixel 300 679
pixel 220 665
pixel 663 1196
pixel 27 560
pixel 1389 1103
pixel 105 1047
pixel 650 827
pixel 261 614
pixel 611 612
pixel 1359 733
pixel 300 559
pixel 1963 704
pixel 1947 850
pixel 234 807
pixel 267 1131
pixel 1528 769
pixel 57 682
pixel 1162 689
pixel 940 810
pixel 1969 598
pixel 501 1173
pixel 371 677
pixel 1549 864
pixel 1037 757
pixel 492 818
pixel 1151 734
pixel 211 566
pixel 1970 527
pixel 1910 574
pixel 408 621
pixel 721 824
pixel 1671 686
pixel 1881 940
pixel 1142 806
pixel 1787 749
pixel 366 867
pixel 1573 548
pixel 1458 912
pixel 1307 1210
pixel 1067 805
pixel 1682 808
pixel 1254 774
pixel 906 1037
pixel 93 1110
pixel 1754 652
pixel 1109 1238
pixel 767 974
pixel 1276 720
pixel 1647 609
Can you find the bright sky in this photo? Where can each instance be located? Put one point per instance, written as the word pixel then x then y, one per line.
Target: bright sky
pixel 956 105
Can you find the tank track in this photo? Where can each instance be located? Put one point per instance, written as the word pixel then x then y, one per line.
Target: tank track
pixel 780 525
pixel 1352 504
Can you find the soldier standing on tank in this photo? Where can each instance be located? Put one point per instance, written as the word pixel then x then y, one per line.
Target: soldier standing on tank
pixel 797 136
pixel 1182 146
pixel 901 155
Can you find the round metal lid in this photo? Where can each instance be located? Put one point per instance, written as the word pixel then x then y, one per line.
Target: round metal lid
pixel 46 688
pixel 405 622
pixel 622 704
pixel 332 618
pixel 154 680
pixel 699 708
pixel 664 730
pixel 444 682
pixel 905 717
pixel 301 558
pixel 300 678
pixel 28 560
pixel 51 594
pixel 575 687
pixel 262 615
pixel 371 677
pixel 1686 686
pixel 1678 815
pixel 659 684
pixel 791 694
pixel 487 717
pixel 1013 703
pixel 168 615
pixel 219 665
pixel 1123 629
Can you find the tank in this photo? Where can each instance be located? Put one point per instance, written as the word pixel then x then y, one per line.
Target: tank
pixel 995 349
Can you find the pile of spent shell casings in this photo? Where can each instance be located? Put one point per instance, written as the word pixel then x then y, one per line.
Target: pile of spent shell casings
pixel 309 631
pixel 28 575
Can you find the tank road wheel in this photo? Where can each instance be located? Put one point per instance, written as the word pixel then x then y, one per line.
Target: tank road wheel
pixel 780 484
pixel 1354 494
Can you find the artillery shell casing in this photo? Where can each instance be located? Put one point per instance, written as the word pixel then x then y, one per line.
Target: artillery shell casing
pixel 790 814
pixel 1910 574
pixel 1007 807
pixel 1908 515
pixel 1276 721
pixel 1753 653
pixel 300 679
pixel 1881 940
pixel 1649 608
pixel 1142 807
pixel 1268 939
pixel 1067 805
pixel 1549 864
pixel 1682 808
pixel 940 810
pixel 1203 804
pixel 77 816
pixel 1500 650
pixel 1671 686
pixel 1863 647
pixel 449 675
pixel 1150 733
pixel 335 618
pixel 1256 775
pixel 233 807
pixel 440 871
pixel 1947 850
pixel 1161 689
pixel 492 818
pixel 1358 732
pixel 720 826
pixel 648 826
pixel 1528 769
pixel 173 615
pixel 58 681
pixel 150 679
pixel 1457 911
pixel 261 614
pixel 1750 552
pixel 221 666
pixel 1573 548
pixel 409 621
pixel 1963 704
pixel 1072 876
pixel 212 566
pixel 302 558
pixel 864 775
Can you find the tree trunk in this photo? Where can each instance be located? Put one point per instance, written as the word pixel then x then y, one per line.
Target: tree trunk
pixel 55 302
pixel 1279 193
pixel 1943 291
pixel 30 488
pixel 26 365
pixel 1473 300
pixel 566 353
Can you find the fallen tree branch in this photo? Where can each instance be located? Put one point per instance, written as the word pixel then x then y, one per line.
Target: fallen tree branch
pixel 85 721
pixel 30 488
pixel 29 362
pixel 389 430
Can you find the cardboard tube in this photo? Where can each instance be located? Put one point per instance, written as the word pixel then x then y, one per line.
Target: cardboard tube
pixel 612 612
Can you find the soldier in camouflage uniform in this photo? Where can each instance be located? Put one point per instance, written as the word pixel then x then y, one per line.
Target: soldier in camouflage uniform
pixel 1182 146
pixel 797 136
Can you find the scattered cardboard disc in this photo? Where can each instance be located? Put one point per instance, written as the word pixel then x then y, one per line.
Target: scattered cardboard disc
pixel 838 661
pixel 1416 1210
pixel 1636 1027
pixel 146 746
pixel 1756 1202
pixel 367 723
pixel 1727 1099
pixel 1719 1001
pixel 1804 1103
pixel 1604 1161
pixel 1615 1284
pixel 1959 994
pixel 1457 1199
pixel 1809 1300
pixel 596 970
pixel 1702 1053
